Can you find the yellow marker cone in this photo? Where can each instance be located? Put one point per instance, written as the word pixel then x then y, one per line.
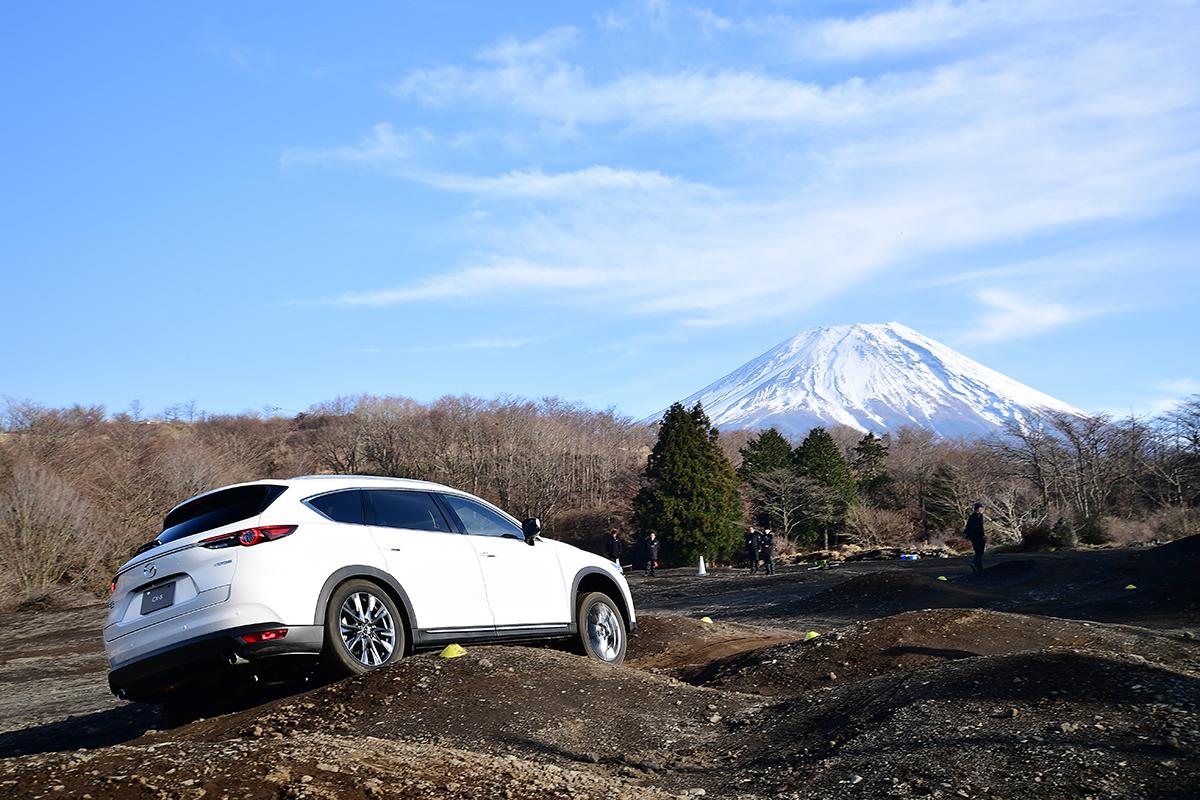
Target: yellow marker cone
pixel 1131 586
pixel 706 620
pixel 453 651
pixel 941 577
pixel 808 637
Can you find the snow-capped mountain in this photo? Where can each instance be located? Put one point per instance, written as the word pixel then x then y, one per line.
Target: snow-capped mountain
pixel 871 377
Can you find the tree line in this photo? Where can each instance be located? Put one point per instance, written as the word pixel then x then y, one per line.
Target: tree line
pixel 1060 480
pixel 81 489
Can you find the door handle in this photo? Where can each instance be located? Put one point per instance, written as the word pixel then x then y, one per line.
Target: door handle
pixel 488 555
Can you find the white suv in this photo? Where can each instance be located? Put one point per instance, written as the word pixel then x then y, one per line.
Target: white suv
pixel 358 570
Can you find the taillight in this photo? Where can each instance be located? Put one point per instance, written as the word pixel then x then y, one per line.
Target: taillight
pixel 248 537
pixel 112 587
pixel 263 636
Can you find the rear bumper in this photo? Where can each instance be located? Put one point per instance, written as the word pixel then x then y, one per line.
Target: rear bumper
pixel 210 658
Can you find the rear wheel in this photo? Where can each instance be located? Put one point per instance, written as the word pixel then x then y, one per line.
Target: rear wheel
pixel 601 628
pixel 363 628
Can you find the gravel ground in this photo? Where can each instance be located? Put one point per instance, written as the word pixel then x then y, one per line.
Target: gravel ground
pixel 1042 678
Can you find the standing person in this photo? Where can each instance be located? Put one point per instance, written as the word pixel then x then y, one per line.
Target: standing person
pixel 974 532
pixel 752 545
pixel 613 548
pixel 651 554
pixel 767 548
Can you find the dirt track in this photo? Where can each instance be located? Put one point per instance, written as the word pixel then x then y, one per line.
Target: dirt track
pixel 1044 677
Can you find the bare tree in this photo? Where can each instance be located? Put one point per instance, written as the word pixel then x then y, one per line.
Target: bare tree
pixel 44 528
pixel 782 496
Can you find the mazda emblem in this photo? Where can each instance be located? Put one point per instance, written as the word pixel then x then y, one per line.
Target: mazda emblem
pixel 149 570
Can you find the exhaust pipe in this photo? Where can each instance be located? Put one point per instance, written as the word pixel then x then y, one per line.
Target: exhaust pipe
pixel 120 693
pixel 234 659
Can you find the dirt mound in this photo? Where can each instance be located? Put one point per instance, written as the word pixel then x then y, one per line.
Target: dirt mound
pixel 313 765
pixel 1007 573
pixel 893 588
pixel 667 642
pixel 1164 593
pixel 529 701
pixel 918 639
pixel 1058 723
pixel 1181 551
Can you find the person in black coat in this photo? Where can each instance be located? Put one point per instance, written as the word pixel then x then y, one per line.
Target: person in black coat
pixel 613 548
pixel 974 532
pixel 651 553
pixel 752 545
pixel 766 546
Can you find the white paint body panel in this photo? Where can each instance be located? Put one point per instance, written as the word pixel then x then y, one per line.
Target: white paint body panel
pixel 440 573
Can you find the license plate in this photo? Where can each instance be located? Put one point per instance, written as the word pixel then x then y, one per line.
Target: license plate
pixel 158 597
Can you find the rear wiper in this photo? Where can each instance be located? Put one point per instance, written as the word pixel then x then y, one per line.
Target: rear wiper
pixel 147 546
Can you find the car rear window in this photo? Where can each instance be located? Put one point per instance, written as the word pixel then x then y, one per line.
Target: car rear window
pixel 216 509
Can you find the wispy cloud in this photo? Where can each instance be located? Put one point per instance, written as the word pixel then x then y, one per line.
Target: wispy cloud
pixel 1179 386
pixel 483 343
pixel 935 23
pixel 244 57
pixel 1009 315
pixel 1165 396
pixel 536 183
pixel 550 44
pixel 477 281
pixel 382 147
pixel 1039 127
pixel 398 153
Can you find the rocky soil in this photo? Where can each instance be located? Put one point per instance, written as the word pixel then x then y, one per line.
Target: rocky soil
pixel 915 687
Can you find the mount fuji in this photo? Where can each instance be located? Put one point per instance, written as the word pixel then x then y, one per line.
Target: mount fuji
pixel 875 378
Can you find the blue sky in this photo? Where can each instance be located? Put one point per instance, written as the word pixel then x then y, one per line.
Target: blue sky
pixel 268 204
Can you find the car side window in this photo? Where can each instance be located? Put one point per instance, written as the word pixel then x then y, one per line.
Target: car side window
pixel 340 506
pixel 480 520
pixel 406 509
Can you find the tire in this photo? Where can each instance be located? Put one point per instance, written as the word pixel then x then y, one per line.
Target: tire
pixel 364 629
pixel 601 628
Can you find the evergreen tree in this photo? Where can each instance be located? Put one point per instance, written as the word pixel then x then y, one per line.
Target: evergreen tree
pixel 832 485
pixel 764 453
pixel 691 494
pixel 875 485
pixel 820 459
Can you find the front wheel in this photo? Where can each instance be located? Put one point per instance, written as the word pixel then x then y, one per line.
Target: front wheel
pixel 363 628
pixel 601 628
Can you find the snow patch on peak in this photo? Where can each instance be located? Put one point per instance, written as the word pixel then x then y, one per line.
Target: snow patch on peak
pixel 878 377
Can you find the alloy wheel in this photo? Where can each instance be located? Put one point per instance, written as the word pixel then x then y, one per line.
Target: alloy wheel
pixel 604 632
pixel 367 628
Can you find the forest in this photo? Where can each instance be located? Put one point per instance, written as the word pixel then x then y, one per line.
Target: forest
pixel 82 488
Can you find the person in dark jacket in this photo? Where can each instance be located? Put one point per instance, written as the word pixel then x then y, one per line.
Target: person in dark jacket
pixel 613 548
pixel 651 553
pixel 766 546
pixel 974 532
pixel 752 545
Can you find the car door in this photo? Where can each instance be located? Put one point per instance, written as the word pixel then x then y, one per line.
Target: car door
pixel 524 584
pixel 436 566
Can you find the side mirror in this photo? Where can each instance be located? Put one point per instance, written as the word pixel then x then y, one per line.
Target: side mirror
pixel 531 528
